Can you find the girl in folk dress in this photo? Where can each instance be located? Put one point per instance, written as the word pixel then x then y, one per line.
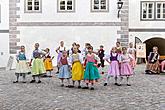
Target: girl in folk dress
pixel 126 69
pixel 91 72
pixel 22 67
pixel 77 67
pixel 48 62
pixel 132 52
pixel 113 59
pixel 64 71
pixel 59 51
pixel 153 62
pixel 38 67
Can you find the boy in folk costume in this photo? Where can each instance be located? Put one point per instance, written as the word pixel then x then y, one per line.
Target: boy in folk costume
pixel 91 74
pixel 59 51
pixel 22 67
pixel 101 56
pixel 48 62
pixel 38 67
pixel 77 67
pixel 153 62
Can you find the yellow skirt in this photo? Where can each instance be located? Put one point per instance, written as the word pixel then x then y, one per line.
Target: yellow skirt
pixel 48 64
pixel 77 71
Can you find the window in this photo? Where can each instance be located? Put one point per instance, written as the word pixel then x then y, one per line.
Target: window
pixel 152 10
pixel 99 6
pixel 66 5
pixel 148 10
pixel 160 10
pixel 33 6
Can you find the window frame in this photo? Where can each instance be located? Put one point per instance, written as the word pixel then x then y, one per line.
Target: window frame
pixel 99 10
pixel 32 11
pixel 66 11
pixel 161 9
pixel 154 11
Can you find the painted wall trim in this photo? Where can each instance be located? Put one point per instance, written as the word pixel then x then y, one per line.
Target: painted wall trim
pixel 146 30
pixel 70 24
pixel 4 31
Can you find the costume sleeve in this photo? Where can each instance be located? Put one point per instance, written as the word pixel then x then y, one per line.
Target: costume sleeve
pixel 81 58
pixel 17 56
pixel 32 57
pixel 107 57
pixel 70 60
pixel 97 59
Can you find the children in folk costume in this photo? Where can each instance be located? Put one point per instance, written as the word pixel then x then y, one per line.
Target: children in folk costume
pixel 48 62
pixel 77 67
pixel 126 69
pixel 59 51
pixel 101 56
pixel 113 59
pixel 153 62
pixel 132 51
pixel 22 67
pixel 64 71
pixel 38 67
pixel 91 72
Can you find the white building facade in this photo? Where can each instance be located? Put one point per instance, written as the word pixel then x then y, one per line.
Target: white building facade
pixel 50 21
pixel 147 23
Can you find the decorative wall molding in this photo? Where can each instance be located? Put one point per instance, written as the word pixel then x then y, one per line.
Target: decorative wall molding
pixel 146 30
pixel 4 31
pixel 70 24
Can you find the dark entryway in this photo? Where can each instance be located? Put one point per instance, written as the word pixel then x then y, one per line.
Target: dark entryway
pixel 159 42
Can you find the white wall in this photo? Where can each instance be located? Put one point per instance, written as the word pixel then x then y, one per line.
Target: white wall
pixel 4 37
pixel 51 36
pixel 134 16
pixel 4 14
pixel 4 49
pixel 82 13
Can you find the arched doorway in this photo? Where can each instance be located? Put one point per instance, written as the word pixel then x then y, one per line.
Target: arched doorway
pixel 157 41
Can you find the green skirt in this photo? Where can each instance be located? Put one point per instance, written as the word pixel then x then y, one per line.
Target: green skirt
pixel 38 67
pixel 91 72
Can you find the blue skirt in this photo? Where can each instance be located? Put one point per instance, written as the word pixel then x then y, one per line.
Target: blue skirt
pixel 64 72
pixel 91 72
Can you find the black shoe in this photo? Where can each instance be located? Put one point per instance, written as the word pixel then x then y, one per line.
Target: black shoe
pixel 79 87
pixel 105 84
pixel 92 88
pixel 24 82
pixel 116 84
pixel 71 86
pixel 39 81
pixel 128 84
pixel 15 81
pixel 62 85
pixel 85 87
pixel 32 81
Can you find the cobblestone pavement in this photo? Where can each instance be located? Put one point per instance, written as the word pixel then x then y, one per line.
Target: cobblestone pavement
pixel 146 93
